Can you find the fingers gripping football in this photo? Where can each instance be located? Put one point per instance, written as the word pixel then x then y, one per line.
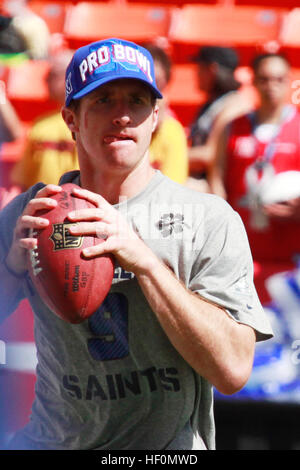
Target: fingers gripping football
pixel 107 223
pixel 22 241
pixel 72 286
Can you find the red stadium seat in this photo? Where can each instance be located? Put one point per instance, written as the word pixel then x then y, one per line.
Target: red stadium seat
pixel 178 3
pixel 243 27
pixel 27 89
pixel 89 21
pixel 295 86
pixel 290 38
pixel 10 152
pixel 290 29
pixel 269 3
pixel 183 92
pixel 52 12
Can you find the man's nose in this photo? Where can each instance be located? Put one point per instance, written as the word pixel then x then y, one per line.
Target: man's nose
pixel 122 115
pixel 122 120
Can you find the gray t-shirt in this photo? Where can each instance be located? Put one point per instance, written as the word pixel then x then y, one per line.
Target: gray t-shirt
pixel 115 381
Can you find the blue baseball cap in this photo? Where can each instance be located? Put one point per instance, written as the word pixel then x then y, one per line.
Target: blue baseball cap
pixel 101 62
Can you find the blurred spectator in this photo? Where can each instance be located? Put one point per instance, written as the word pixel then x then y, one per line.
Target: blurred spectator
pixel 50 149
pixel 10 125
pixel 168 149
pixel 11 42
pixel 10 130
pixel 216 69
pixel 258 171
pixel 256 154
pixel 30 27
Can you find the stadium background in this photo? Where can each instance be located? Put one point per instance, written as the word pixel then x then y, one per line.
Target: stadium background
pixel 261 417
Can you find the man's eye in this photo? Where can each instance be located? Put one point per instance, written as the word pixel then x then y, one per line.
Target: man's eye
pixel 102 99
pixel 138 99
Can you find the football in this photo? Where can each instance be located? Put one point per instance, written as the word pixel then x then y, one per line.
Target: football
pixel 72 286
pixel 282 187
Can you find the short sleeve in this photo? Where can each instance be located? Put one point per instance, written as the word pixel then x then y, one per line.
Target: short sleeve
pixel 223 269
pixel 8 218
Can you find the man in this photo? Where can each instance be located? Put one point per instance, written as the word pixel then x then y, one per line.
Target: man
pixel 253 152
pixel 10 131
pixel 216 68
pixel 182 303
pixel 258 171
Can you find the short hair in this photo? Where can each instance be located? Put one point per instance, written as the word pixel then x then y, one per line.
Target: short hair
pixel 160 56
pixel 225 81
pixel 226 57
pixel 257 60
pixel 74 105
pixel 227 61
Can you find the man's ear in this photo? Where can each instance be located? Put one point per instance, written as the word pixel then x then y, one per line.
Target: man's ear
pixel 70 119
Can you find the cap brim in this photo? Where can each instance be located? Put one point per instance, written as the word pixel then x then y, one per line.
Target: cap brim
pixel 97 83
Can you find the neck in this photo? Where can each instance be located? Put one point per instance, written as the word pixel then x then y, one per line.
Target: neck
pixel 115 186
pixel 270 114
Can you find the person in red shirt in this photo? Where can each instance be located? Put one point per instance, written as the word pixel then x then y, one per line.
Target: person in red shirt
pixel 257 169
pixel 253 152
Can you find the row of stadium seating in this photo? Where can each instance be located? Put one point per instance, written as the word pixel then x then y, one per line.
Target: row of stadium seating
pixel 47 5
pixel 184 29
pixel 27 91
pixel 230 24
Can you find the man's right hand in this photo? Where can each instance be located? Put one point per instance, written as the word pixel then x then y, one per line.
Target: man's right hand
pixel 16 258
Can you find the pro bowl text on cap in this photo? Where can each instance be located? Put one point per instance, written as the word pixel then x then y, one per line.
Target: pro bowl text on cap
pixel 104 61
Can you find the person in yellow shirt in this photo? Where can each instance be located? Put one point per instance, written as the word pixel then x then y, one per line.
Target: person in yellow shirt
pixel 31 28
pixel 50 149
pixel 168 149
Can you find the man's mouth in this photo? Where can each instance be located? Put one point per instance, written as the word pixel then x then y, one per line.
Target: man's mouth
pixel 108 139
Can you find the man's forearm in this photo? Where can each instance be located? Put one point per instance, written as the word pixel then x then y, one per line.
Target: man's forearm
pixel 216 346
